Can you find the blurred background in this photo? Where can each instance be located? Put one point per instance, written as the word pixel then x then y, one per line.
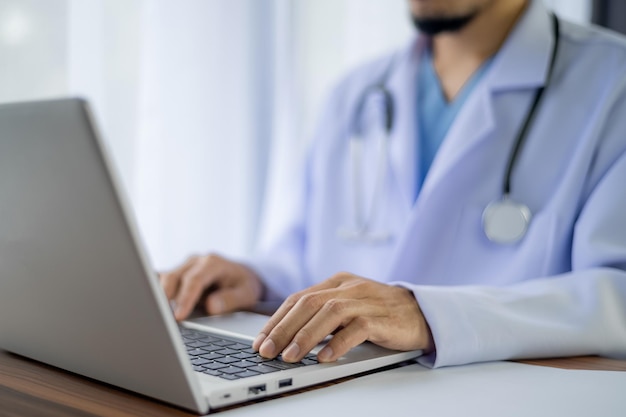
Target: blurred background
pixel 206 105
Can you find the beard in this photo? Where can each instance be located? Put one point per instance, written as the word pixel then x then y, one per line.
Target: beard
pixel 435 25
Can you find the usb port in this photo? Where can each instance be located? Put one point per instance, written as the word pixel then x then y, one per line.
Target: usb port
pixel 256 389
pixel 284 383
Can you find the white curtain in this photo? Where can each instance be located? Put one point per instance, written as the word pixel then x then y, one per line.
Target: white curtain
pixel 203 126
pixel 206 105
pixel 181 90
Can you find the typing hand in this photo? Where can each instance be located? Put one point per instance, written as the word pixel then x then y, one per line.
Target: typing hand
pixel 356 308
pixel 230 286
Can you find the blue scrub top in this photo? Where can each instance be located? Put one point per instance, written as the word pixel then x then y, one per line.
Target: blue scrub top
pixel 434 112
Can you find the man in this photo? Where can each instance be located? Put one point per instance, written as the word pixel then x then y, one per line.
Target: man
pixel 444 281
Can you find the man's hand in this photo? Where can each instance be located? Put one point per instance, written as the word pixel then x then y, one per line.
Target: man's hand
pixel 228 286
pixel 356 309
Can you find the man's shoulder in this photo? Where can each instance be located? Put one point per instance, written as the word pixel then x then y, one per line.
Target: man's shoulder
pixel 370 71
pixel 596 38
pixel 373 71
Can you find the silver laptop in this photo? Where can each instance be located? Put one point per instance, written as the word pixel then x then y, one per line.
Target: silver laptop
pixel 77 291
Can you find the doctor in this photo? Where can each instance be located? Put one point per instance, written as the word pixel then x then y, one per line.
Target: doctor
pixel 472 185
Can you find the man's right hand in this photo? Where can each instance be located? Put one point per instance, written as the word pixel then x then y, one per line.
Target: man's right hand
pixel 230 285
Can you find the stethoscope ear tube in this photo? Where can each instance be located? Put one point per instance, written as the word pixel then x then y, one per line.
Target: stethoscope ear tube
pixel 362 229
pixel 364 214
pixel 389 109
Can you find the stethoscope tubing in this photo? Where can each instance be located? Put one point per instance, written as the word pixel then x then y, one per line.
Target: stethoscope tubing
pixel 528 121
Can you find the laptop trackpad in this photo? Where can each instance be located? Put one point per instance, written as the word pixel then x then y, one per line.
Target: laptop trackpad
pixel 242 324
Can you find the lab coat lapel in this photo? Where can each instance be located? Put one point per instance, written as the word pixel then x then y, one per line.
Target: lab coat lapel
pixel 403 144
pixel 521 64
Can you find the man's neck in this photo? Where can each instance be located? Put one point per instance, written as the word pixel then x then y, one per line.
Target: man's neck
pixel 456 56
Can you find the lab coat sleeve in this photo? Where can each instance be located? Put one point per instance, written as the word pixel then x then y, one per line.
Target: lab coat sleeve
pixel 582 312
pixel 280 257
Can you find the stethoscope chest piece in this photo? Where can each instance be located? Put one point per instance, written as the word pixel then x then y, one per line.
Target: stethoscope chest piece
pixel 505 221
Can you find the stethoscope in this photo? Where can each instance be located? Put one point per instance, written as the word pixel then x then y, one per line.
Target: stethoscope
pixel 505 221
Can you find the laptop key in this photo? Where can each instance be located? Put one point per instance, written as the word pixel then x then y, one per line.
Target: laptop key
pixel 198 368
pixel 264 369
pixel 200 361
pixel 224 343
pixel 227 359
pixel 243 355
pixel 245 364
pixel 227 351
pixel 194 335
pixel 285 365
pixel 215 365
pixel 211 356
pixel 197 352
pixel 212 372
pixel 247 374
pixel 232 370
pixel 197 344
pixel 229 377
pixel 239 346
pixel 209 339
pixel 212 348
pixel 259 359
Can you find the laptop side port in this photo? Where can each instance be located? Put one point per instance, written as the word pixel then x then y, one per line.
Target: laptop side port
pixel 284 383
pixel 256 390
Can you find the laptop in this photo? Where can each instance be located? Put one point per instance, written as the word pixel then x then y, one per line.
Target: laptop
pixel 77 291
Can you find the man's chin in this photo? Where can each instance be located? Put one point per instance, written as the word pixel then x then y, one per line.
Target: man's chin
pixel 435 25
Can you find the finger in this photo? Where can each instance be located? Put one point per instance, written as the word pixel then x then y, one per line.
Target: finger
pixel 226 300
pixel 334 317
pixel 284 331
pixel 282 311
pixel 286 307
pixel 192 285
pixel 170 281
pixel 355 333
pixel 296 335
pixel 331 316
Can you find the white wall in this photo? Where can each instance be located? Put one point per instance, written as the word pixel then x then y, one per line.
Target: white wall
pixel 33 49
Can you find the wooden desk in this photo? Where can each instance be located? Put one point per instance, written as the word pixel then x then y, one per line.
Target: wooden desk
pixel 29 388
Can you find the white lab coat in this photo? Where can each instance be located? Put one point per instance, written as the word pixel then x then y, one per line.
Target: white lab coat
pixel 559 291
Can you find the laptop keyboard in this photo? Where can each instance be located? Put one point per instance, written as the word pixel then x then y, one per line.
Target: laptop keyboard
pixel 230 359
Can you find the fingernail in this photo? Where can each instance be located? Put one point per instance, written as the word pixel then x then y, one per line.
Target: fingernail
pixel 291 353
pixel 325 354
pixel 259 339
pixel 267 348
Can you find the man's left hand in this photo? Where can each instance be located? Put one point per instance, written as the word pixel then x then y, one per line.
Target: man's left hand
pixel 355 309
